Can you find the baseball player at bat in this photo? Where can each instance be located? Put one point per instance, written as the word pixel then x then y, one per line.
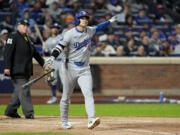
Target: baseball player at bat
pixel 75 66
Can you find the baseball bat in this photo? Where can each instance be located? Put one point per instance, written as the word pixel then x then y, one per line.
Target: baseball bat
pixel 36 79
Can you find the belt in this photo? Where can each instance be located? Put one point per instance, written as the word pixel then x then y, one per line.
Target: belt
pixel 76 63
pixel 59 59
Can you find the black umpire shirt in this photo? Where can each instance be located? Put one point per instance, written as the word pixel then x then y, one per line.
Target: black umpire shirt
pixel 18 54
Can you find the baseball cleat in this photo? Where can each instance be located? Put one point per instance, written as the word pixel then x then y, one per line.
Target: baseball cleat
pixel 52 100
pixel 93 123
pixel 66 125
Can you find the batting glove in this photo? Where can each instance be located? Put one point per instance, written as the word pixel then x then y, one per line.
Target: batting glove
pixel 113 19
pixel 49 61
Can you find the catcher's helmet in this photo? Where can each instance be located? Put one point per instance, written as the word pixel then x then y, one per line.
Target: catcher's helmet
pixel 79 15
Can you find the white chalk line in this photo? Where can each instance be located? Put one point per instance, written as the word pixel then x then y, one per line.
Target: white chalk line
pixel 151 132
pixel 140 130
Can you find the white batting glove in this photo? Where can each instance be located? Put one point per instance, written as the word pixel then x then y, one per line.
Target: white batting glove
pixel 113 19
pixel 49 61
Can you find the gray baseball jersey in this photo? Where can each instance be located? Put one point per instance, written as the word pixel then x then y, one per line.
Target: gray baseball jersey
pixel 78 44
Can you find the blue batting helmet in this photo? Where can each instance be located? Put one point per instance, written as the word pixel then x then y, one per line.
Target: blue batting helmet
pixel 79 15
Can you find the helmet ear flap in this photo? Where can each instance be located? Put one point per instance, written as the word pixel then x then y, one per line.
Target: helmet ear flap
pixel 77 21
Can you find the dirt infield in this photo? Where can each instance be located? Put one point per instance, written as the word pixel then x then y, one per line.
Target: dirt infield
pixel 108 126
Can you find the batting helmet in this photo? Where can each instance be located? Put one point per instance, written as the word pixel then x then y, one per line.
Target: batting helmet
pixel 79 15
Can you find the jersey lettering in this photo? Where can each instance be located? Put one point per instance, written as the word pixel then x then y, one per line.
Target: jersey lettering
pixel 82 44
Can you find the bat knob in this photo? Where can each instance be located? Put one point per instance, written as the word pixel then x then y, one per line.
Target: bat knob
pixel 24 86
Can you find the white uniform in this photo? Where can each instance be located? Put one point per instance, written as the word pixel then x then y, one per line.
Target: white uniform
pixel 76 69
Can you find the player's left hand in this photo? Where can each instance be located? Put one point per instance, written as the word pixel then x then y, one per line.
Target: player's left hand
pixel 113 19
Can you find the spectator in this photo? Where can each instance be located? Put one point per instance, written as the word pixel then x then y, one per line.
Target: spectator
pixel 100 4
pixel 49 2
pixel 120 51
pixel 69 17
pixel 3 38
pixel 114 6
pixel 15 13
pixel 43 4
pixel 129 34
pixel 70 25
pixel 61 19
pixel 142 16
pixel 129 21
pixel 174 43
pixel 142 33
pixel 155 41
pixel 36 11
pixel 44 17
pixel 30 20
pixel 22 6
pixel 177 29
pixel 111 40
pixel 130 48
pixel 108 29
pixel 164 49
pixel 122 15
pixel 4 4
pixel 103 49
pixel 4 35
pixel 1 50
pixel 146 45
pixel 54 10
pixel 92 20
pixel 46 34
pixel 8 24
pixel 173 39
pixel 161 15
pixel 48 24
pixel 74 5
pixel 140 51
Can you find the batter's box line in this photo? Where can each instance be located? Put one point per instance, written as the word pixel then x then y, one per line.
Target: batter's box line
pixel 140 130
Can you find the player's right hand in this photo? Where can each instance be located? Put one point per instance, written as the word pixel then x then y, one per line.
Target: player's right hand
pixel 113 19
pixel 49 63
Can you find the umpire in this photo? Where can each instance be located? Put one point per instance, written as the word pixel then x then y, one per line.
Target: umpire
pixel 18 54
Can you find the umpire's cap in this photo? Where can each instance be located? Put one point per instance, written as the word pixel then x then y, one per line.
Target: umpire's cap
pixel 23 22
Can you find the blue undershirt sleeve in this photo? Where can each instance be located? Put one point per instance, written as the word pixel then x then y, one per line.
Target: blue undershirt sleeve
pixel 101 26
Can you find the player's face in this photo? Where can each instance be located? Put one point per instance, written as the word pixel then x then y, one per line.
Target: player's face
pixel 83 21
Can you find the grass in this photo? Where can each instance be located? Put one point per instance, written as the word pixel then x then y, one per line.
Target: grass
pixel 121 110
pixel 133 110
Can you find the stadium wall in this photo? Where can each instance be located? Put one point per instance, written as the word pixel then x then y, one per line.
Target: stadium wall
pixel 131 76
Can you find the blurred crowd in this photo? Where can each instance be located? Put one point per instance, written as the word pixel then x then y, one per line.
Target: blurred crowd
pixel 144 27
